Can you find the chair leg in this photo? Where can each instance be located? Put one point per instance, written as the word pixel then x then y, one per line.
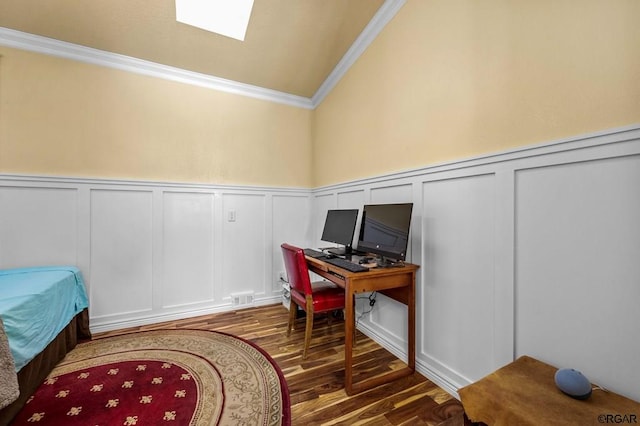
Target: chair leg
pixel 293 313
pixel 355 323
pixel 308 329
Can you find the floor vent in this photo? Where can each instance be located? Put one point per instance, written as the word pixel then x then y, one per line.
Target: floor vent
pixel 242 298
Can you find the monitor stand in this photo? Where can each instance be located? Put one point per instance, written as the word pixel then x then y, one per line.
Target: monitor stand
pixel 340 251
pixel 385 262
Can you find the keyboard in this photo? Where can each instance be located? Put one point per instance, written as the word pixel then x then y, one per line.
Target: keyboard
pixel 313 253
pixel 345 264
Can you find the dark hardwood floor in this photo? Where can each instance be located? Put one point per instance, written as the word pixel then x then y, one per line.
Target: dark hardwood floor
pixel 316 385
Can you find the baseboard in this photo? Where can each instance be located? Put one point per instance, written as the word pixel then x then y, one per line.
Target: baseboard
pixel 104 326
pixel 442 378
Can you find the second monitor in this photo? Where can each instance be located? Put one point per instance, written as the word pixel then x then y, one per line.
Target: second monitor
pixel 339 228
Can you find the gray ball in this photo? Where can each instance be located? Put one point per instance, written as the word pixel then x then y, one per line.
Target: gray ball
pixel 573 383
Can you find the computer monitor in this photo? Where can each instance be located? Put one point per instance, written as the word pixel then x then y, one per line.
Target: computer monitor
pixel 385 231
pixel 339 228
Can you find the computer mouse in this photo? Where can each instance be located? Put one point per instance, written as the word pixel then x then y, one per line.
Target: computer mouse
pixel 329 256
pixel 366 260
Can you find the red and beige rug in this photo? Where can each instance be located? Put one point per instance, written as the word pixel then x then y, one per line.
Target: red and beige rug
pixel 162 377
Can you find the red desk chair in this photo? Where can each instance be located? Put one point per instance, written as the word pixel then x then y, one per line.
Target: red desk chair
pixel 312 297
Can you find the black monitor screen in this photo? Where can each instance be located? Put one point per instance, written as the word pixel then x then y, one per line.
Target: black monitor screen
pixel 385 229
pixel 340 226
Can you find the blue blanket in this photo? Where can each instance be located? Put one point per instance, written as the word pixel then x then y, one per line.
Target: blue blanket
pixel 36 304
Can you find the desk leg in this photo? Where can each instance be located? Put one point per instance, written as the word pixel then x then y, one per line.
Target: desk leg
pixel 349 329
pixel 352 388
pixel 411 312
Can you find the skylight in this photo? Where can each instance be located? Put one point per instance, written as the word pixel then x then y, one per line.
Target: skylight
pixel 227 17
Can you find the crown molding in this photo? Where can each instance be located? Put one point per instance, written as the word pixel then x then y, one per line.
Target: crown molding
pixel 386 12
pixel 48 46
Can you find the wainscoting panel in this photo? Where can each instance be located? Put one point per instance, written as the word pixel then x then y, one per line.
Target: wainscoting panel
pixel 321 204
pixel 392 192
pixel 244 251
pixel 458 227
pixel 384 316
pixel 121 253
pixel 532 251
pixel 352 200
pixel 38 226
pixel 290 224
pixel 577 281
pixel 188 249
pixel 153 251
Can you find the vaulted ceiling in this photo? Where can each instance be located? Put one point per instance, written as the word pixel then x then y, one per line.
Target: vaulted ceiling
pixel 291 46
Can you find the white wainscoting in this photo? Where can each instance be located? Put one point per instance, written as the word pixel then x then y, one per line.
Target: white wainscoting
pixel 188 255
pixel 121 272
pixel 458 256
pixel 577 264
pixel 533 251
pixel 27 236
pixel 150 251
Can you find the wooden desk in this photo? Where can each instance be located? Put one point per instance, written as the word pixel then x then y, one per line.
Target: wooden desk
pixel 396 283
pixel 524 393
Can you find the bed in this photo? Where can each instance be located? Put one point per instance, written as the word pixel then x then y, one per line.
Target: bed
pixel 44 313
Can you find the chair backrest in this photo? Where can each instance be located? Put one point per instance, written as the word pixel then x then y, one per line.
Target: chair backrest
pixel 297 270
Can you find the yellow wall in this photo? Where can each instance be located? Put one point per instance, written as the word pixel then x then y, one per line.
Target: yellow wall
pixel 445 80
pixel 66 118
pixel 451 79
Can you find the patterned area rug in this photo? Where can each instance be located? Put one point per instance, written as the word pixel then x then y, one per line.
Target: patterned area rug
pixel 162 377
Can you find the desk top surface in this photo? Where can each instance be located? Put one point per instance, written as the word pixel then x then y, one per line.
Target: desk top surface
pixel 321 265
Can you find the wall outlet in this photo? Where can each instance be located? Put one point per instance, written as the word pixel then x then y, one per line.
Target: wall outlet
pixel 242 298
pixel 286 295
